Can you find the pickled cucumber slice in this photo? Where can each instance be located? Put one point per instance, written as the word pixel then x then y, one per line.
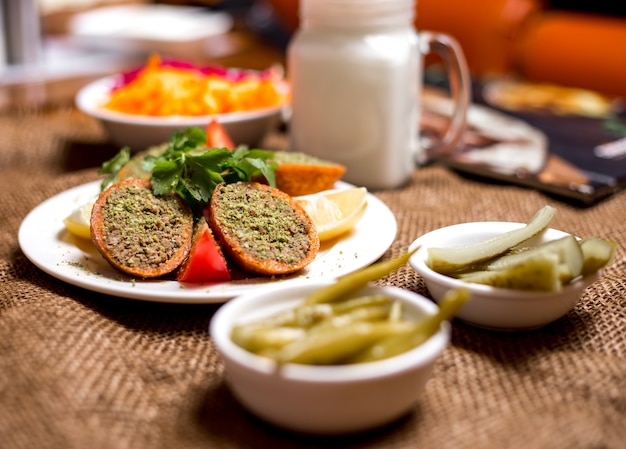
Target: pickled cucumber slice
pixel 567 250
pixel 451 259
pixel 597 254
pixel 537 273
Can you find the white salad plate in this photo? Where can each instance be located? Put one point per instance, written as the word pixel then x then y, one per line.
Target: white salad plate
pixel 46 243
pixel 142 131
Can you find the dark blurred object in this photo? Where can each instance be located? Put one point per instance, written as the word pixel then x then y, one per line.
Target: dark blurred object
pixel 263 20
pixel 605 7
pixel 574 157
pixel 287 13
pixel 236 7
pixel 257 16
pixel 20 35
pixel 210 3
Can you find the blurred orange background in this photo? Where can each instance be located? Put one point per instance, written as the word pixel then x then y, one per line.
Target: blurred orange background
pixel 526 38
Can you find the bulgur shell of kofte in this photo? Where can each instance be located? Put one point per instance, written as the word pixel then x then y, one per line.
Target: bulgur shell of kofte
pixel 262 228
pixel 301 174
pixel 139 233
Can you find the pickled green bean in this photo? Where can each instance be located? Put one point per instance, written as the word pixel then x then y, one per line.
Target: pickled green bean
pixel 396 344
pixel 363 314
pixel 353 282
pixel 334 345
pixel 298 316
pixel 257 338
pixel 334 326
pixel 395 311
pixel 350 304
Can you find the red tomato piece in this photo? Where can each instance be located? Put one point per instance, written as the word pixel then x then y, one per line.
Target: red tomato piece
pixel 217 136
pixel 205 263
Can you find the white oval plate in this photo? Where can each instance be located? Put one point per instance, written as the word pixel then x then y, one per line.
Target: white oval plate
pixel 47 244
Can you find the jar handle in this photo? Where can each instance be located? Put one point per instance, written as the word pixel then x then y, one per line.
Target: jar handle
pixel 456 68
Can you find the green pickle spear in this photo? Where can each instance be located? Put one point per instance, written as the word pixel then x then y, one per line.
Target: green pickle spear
pixel 541 272
pixel 503 262
pixel 450 259
pixel 566 249
pixel 597 254
pixel 546 267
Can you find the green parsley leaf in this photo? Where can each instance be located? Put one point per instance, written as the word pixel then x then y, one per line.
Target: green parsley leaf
pixel 165 176
pixel 113 166
pixel 190 169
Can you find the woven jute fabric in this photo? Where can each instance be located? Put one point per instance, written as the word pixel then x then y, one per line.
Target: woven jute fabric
pixel 79 369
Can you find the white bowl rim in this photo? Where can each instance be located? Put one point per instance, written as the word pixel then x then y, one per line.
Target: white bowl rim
pixel 418 262
pixel 419 356
pixel 90 97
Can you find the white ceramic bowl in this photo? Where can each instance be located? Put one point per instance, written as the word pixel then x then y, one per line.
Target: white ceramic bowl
pixel 324 399
pixel 489 307
pixel 140 132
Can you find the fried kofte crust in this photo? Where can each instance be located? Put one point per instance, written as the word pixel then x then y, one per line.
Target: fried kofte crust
pixel 139 233
pixel 301 174
pixel 262 228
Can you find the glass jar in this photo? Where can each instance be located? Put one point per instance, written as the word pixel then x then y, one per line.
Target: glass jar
pixel 354 70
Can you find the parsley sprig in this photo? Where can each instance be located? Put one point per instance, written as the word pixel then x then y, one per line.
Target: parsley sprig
pixel 190 169
pixel 113 166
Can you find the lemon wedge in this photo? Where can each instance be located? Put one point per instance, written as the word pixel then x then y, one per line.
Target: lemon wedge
pixel 78 221
pixel 334 212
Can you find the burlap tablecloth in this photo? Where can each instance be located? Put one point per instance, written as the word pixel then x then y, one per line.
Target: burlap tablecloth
pixel 85 370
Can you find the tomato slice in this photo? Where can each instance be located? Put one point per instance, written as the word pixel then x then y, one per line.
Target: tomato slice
pixel 217 136
pixel 205 263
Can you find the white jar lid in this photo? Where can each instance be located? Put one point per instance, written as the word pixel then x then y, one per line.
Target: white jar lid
pixel 358 12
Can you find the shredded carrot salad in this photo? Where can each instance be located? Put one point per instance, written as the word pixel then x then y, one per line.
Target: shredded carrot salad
pixel 173 88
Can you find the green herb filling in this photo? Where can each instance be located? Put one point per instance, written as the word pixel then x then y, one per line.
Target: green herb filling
pixel 143 230
pixel 265 226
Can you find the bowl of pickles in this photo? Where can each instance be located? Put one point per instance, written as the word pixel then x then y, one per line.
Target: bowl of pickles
pixel 332 356
pixel 521 276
